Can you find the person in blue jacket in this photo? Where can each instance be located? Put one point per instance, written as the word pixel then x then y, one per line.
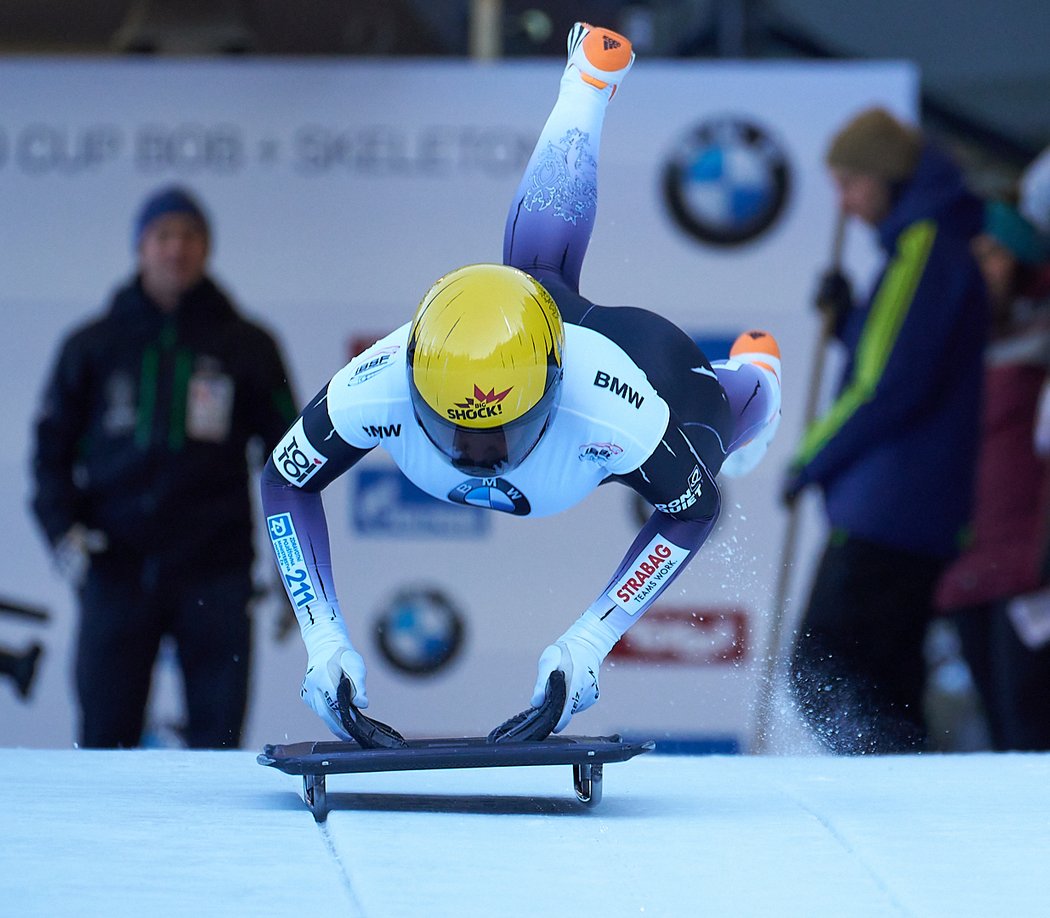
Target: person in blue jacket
pixel 895 453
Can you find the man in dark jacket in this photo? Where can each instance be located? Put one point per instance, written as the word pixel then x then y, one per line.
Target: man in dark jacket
pixel 142 482
pixel 895 454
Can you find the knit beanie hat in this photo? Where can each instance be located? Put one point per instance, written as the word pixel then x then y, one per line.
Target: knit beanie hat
pixel 876 143
pixel 1013 232
pixel 172 200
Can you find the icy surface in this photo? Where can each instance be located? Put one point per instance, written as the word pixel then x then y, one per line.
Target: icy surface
pixel 180 833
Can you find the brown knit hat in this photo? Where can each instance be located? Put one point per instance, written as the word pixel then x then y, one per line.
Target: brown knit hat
pixel 876 143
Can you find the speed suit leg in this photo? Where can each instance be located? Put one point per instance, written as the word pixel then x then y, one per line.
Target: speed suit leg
pixel 551 216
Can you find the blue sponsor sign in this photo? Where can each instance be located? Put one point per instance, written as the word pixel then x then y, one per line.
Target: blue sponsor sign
pixel 714 345
pixel 385 503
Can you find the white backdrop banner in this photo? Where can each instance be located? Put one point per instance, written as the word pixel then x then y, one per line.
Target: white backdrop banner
pixel 339 192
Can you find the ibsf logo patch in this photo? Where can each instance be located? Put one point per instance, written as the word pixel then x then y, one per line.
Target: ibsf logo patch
pixel 295 456
pixel 727 181
pixel 376 363
pixel 650 570
pixel 482 405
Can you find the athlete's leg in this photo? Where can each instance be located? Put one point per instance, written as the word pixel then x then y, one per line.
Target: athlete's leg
pixel 751 380
pixel 552 214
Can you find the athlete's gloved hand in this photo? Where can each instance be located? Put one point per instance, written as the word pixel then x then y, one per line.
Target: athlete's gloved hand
pixel 578 653
pixel 330 656
pixel 834 296
pixel 74 550
pixel 325 668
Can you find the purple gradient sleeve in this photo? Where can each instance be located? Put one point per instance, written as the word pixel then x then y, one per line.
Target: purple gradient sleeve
pixel 660 552
pixel 281 501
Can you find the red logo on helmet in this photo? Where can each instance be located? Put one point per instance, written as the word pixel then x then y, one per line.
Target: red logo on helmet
pixel 492 397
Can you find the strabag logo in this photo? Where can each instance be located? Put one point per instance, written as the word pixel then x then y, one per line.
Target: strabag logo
pixel 295 456
pixel 482 405
pixel 647 574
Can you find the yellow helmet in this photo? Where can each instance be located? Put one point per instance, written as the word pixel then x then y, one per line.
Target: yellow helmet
pixel 485 366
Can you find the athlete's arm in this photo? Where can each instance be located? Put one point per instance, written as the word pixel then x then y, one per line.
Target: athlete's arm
pixel 309 457
pixel 687 503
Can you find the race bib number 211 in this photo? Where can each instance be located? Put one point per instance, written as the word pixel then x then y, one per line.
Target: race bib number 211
pixel 290 560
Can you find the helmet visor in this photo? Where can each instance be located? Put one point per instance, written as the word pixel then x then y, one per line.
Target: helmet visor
pixel 488 451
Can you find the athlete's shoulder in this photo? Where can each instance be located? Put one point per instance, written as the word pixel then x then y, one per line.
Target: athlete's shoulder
pixel 610 398
pixel 372 388
pixel 601 373
pixel 374 371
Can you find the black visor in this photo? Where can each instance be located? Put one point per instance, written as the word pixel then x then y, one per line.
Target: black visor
pixel 488 451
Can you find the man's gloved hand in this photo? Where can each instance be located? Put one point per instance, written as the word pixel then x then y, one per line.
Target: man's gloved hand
pixel 329 658
pixel 834 296
pixel 578 653
pixel 73 552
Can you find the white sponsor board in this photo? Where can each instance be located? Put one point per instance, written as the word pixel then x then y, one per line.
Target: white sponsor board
pixel 339 192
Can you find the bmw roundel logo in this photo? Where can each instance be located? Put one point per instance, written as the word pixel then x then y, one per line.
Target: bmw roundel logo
pixel 420 631
pixel 727 181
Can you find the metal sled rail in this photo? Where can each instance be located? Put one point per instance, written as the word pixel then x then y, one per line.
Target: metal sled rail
pixel 315 760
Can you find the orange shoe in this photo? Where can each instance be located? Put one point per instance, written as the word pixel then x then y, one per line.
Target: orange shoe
pixel 757 347
pixel 602 57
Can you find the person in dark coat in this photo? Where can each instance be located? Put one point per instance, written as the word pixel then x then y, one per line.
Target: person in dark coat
pixel 141 479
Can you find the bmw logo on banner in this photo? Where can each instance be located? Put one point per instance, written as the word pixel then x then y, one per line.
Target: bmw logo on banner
pixel 727 181
pixel 420 631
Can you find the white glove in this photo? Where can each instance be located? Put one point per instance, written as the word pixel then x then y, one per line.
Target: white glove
pixel 329 655
pixel 74 550
pixel 578 653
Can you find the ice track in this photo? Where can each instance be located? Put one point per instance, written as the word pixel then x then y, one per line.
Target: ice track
pixel 178 833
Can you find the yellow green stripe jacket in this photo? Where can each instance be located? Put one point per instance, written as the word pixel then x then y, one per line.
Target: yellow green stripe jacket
pixel 895 452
